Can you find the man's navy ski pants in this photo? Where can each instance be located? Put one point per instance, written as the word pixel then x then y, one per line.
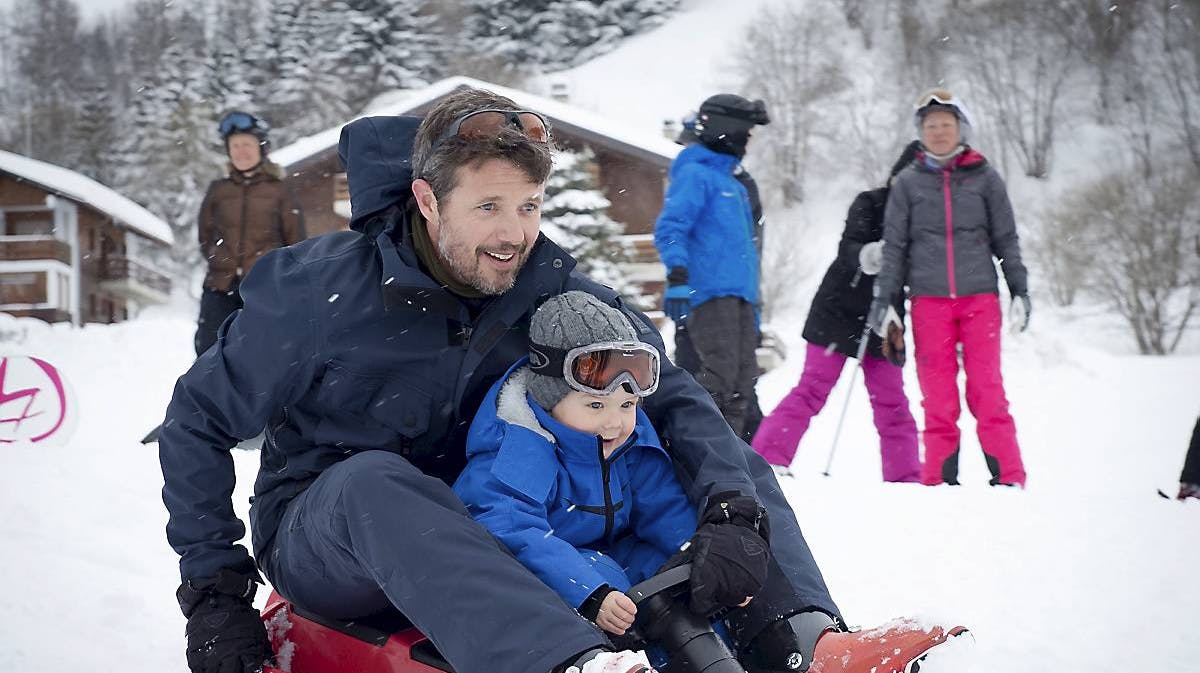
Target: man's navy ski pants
pixel 374 531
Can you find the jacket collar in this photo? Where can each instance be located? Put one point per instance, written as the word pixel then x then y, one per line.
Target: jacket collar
pixel 699 154
pixel 968 159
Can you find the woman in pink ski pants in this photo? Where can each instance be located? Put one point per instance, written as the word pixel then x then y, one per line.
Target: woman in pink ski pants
pixel 948 217
pixel 834 330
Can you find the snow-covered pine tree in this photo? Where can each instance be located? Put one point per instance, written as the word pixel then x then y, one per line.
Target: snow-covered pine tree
pixel 574 215
pixel 169 153
pixel 234 44
pixel 635 16
pixel 556 34
pixel 94 134
pixel 504 30
pixel 311 49
pixel 398 45
pixel 45 35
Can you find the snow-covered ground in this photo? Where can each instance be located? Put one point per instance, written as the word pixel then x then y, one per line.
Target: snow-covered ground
pixel 1086 570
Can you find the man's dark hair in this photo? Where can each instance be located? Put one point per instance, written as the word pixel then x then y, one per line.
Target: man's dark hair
pixel 439 168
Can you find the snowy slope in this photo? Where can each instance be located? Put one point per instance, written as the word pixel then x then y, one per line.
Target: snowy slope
pixel 666 72
pixel 1052 577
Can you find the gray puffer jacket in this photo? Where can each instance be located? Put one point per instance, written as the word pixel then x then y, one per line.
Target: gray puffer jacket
pixel 942 227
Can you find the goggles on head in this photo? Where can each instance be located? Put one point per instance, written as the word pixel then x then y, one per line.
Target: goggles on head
pixel 600 368
pixel 485 123
pixel 241 122
pixel 937 96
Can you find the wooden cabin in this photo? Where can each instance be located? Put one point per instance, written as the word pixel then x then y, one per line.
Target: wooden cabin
pixel 72 249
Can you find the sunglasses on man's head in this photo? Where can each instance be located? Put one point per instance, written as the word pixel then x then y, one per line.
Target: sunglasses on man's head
pixel 489 123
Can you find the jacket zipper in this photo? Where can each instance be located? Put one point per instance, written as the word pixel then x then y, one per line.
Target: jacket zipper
pixel 241 253
pixel 604 466
pixel 949 233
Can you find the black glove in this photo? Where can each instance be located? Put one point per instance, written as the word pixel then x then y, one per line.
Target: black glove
pixel 729 563
pixel 729 553
pixel 742 510
pixel 225 633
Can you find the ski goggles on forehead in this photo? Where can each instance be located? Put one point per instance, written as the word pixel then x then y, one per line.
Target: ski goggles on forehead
pixel 941 96
pixel 235 122
pixel 600 368
pixel 489 123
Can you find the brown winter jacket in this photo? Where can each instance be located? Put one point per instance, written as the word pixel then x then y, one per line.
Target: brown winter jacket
pixel 241 219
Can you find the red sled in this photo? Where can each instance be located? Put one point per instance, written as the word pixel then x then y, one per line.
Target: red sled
pixel 384 643
pixel 388 642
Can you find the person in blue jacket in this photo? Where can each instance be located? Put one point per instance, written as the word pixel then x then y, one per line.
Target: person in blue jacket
pixel 705 237
pixel 365 354
pixel 568 472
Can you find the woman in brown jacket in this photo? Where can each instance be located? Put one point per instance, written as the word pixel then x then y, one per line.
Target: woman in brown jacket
pixel 244 215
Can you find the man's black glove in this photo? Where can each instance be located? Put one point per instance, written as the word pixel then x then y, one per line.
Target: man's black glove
pixel 225 633
pixel 729 565
pixel 729 553
pixel 742 510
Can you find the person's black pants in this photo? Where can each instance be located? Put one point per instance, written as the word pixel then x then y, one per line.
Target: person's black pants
pixel 1191 465
pixel 724 336
pixel 215 307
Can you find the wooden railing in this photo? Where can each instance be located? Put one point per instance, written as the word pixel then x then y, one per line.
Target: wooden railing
pixel 120 267
pixel 13 248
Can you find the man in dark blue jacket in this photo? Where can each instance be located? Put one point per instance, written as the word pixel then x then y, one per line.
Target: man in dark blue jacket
pixel 365 354
pixel 705 236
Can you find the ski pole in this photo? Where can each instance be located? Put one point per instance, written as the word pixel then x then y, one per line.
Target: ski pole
pixel 862 350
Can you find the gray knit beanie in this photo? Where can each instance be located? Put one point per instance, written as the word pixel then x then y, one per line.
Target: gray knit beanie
pixel 567 321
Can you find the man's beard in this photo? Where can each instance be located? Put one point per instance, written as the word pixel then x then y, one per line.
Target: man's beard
pixel 467 265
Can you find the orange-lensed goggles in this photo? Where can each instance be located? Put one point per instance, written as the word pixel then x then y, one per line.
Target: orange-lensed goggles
pixel 486 123
pixel 600 368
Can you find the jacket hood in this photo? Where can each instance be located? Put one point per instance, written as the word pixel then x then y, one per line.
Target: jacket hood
pixel 699 154
pixel 377 154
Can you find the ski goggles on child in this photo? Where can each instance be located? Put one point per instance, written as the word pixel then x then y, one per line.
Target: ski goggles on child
pixel 485 123
pixel 600 368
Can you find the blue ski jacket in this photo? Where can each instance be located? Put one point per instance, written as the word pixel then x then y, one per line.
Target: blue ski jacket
pixel 574 518
pixel 706 225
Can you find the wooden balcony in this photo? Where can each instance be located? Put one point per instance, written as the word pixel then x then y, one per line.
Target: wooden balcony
pixel 14 248
pixel 135 280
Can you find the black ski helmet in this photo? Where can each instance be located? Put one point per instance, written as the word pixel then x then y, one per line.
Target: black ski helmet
pixel 724 121
pixel 244 122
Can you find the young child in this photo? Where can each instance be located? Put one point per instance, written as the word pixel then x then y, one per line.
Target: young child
pixel 564 467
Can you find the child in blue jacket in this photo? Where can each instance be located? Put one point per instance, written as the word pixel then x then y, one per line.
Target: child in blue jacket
pixel 566 470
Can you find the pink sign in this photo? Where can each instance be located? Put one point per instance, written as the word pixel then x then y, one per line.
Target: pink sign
pixel 35 404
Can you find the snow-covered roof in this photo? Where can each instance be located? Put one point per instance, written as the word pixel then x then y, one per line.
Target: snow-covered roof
pixel 563 116
pixel 85 190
